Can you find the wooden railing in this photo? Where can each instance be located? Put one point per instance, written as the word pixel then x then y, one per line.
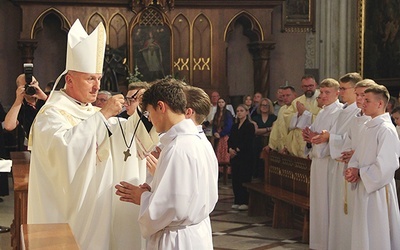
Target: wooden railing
pixel 20 171
pixel 47 236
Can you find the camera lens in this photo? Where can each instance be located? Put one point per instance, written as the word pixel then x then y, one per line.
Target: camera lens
pixel 30 90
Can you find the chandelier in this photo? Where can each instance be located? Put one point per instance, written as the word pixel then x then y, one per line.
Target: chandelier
pixel 163 4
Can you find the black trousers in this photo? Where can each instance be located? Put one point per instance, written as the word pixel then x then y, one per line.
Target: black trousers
pixel 3 184
pixel 242 171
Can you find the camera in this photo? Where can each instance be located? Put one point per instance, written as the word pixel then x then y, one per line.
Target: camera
pixel 28 71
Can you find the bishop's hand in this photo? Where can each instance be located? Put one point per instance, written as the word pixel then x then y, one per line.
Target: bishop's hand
pixel 113 106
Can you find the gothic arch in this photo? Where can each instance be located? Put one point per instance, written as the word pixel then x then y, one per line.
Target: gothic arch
pixel 118 30
pixel 202 31
pixel 94 20
pixel 181 46
pixel 38 24
pixel 251 26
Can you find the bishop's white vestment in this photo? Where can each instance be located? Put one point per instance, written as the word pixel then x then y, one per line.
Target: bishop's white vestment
pixel 319 180
pixel 71 173
pixel 341 199
pixel 184 191
pixel 376 219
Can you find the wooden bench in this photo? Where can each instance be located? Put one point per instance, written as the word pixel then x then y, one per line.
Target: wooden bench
pixel 287 184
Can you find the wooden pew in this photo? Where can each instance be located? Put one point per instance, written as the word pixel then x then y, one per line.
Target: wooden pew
pixel 47 236
pixel 20 172
pixel 287 183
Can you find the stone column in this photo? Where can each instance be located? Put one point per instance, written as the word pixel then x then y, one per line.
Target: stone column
pixel 261 54
pixel 27 47
pixel 333 47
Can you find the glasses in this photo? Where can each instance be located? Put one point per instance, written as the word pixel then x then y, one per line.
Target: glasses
pixel 308 86
pixel 101 99
pixel 343 89
pixel 132 98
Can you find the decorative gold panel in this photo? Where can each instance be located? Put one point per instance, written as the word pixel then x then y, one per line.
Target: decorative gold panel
pixel 181 47
pixel 201 42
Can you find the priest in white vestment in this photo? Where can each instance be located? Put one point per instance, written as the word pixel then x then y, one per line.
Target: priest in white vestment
pixel 319 154
pixel 174 210
pixel 280 129
pixel 376 219
pixel 129 166
pixel 304 109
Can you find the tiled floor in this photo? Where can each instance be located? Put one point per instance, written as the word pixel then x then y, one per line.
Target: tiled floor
pixel 235 230
pixel 231 229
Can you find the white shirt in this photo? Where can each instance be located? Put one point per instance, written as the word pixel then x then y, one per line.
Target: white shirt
pixel 175 214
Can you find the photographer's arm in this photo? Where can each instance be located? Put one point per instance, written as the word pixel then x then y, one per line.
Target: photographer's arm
pixel 39 92
pixel 11 120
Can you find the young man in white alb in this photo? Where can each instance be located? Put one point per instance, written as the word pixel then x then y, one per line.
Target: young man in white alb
pixel 376 220
pixel 318 151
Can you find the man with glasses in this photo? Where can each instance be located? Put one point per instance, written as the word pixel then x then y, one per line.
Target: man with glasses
pixel 102 98
pixel 304 108
pixel 131 140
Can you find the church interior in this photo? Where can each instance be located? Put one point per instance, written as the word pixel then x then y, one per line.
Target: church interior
pixel 234 47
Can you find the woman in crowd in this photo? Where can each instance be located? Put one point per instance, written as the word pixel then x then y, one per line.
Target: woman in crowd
pixel 240 145
pixel 248 101
pixel 222 124
pixel 263 121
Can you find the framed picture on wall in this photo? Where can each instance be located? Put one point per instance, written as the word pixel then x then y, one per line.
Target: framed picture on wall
pixel 379 42
pixel 152 52
pixel 298 16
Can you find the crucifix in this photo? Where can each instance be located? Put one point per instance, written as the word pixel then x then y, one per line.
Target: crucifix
pixel 127 153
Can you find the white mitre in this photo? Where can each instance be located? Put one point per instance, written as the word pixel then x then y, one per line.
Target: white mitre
pixel 85 53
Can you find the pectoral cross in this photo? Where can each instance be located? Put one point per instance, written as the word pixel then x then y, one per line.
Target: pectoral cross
pixel 127 153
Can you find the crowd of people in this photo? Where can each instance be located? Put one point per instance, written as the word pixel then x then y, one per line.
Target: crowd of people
pixel 141 171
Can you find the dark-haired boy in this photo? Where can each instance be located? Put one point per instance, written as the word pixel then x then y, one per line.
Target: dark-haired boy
pixel 174 211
